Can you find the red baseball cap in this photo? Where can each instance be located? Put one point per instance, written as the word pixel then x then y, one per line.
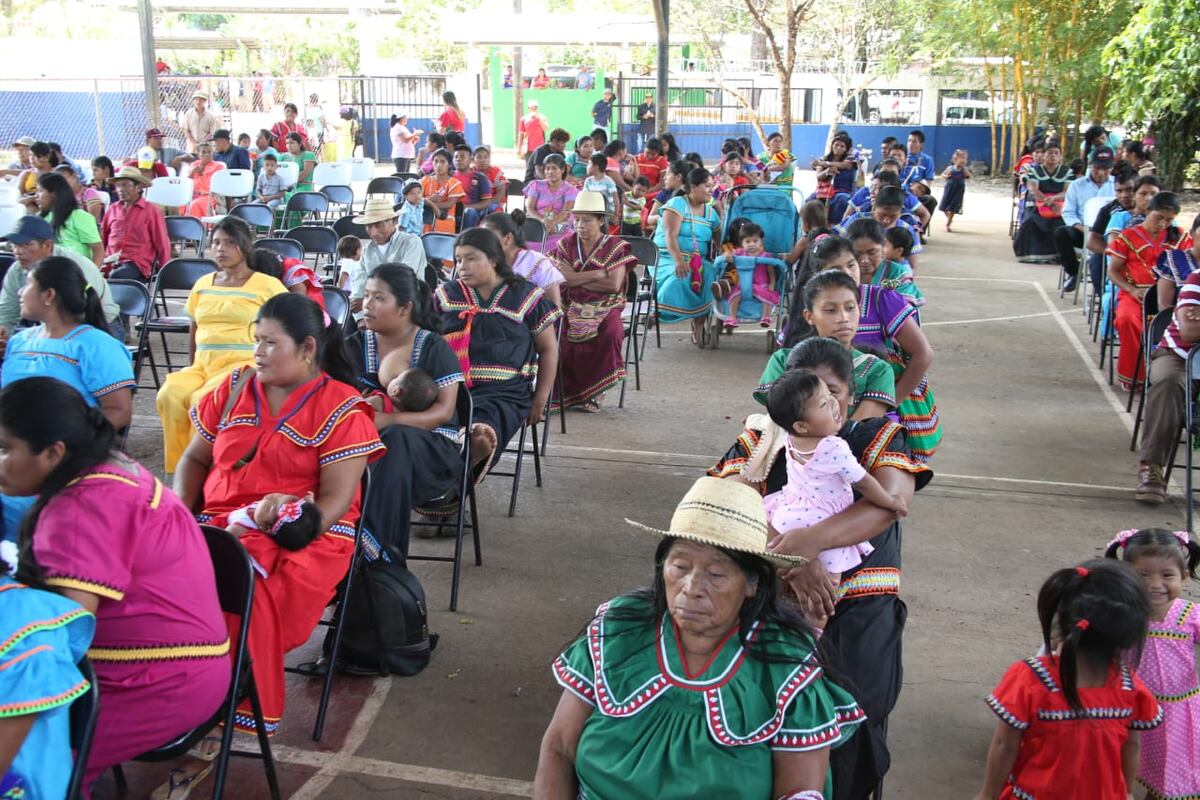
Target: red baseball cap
pixel 153 132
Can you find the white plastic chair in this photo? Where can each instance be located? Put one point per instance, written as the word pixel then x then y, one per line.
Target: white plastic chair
pixel 9 215
pixel 232 183
pixel 171 172
pixel 172 192
pixel 362 169
pixel 332 173
pixel 290 172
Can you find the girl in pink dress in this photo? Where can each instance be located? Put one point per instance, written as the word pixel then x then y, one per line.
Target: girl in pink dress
pixel 1170 766
pixel 821 468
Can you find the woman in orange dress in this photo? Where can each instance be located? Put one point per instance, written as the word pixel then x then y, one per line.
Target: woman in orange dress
pixel 444 191
pixel 203 169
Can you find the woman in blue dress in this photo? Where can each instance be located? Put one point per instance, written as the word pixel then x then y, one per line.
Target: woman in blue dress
pixel 684 273
pixel 72 343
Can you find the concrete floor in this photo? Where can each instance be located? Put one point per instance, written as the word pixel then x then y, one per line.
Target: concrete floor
pixel 1035 473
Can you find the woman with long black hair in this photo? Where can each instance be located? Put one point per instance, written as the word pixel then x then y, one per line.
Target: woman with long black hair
pixel 74 228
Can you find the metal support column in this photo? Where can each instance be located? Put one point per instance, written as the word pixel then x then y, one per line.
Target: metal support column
pixel 149 68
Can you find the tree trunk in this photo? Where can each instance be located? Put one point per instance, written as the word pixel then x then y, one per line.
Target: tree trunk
pixel 1176 147
pixel 758 47
pixel 785 106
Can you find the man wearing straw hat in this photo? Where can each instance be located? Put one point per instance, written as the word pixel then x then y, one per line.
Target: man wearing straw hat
pixel 389 244
pixel 705 684
pixel 133 232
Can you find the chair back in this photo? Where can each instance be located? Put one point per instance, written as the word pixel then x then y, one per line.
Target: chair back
pixel 644 250
pixel 346 226
pixel 516 187
pixel 332 172
pixel 132 297
pixel 186 229
pixel 361 169
pixel 1091 209
pixel 233 183
pixel 385 185
pixel 256 215
pixel 231 565
pixel 289 172
pixel 408 176
pixel 170 192
pixel 9 214
pixel 315 239
pixel 338 194
pixel 439 246
pixel 1158 328
pixel 286 248
pixel 534 231
pixel 84 711
pixel 337 305
pixel 181 274
pixel 308 203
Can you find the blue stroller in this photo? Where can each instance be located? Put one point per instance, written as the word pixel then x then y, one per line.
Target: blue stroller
pixel 773 209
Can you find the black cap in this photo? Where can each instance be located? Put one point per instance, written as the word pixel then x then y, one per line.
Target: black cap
pixel 1103 157
pixel 222 134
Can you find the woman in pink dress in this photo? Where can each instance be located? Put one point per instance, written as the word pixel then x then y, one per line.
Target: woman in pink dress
pixel 550 201
pixel 107 534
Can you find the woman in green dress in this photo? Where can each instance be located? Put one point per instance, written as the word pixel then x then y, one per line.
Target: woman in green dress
pixel 703 685
pixel 299 154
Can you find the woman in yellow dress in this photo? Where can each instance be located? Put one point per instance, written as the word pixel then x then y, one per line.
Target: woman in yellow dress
pixel 222 307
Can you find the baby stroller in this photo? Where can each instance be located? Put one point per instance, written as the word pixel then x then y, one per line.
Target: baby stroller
pixel 772 208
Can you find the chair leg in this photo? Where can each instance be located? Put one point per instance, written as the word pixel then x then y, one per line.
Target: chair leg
pixel 475 528
pixel 335 651
pixel 537 458
pixel 1137 368
pixel 516 487
pixel 264 742
pixel 1189 421
pixel 119 779
pixel 1141 409
pixel 456 566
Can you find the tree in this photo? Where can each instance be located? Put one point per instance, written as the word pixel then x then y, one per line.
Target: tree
pixel 780 21
pixel 1156 79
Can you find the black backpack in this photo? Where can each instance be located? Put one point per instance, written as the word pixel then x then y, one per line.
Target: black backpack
pixel 387 625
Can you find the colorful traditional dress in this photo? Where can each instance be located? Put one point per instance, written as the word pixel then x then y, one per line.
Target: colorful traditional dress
pixel 882 313
pixel 161 649
pixel 203 202
pixel 88 360
pixel 676 298
pixel 223 319
pixel 537 269
pixel 441 191
pixel 256 452
pixel 873 379
pixel 493 339
pixel 1068 753
pixel 296 272
pixel 43 636
pixel 420 466
pixel 899 278
pixel 590 356
pixel 658 731
pixel 905 221
pixel 549 202
pixel 1034 241
pixel 1140 251
pixel 868 620
pixel 1176 265
pixel 1170 766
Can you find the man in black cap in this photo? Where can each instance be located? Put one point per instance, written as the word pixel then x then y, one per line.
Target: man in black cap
pixel 228 153
pixel 1097 183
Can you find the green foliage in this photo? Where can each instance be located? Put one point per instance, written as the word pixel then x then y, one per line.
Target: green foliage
pixel 204 22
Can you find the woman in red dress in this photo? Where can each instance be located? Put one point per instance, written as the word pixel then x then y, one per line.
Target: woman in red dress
pixel 452 118
pixel 280 130
pixel 293 426
pixel 1132 257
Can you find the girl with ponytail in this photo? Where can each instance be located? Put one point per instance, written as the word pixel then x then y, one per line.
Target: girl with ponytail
pixel 106 534
pixel 1070 721
pixel 72 341
pixel 423 461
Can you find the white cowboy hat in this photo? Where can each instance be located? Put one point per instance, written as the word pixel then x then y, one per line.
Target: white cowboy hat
pixel 131 173
pixel 727 514
pixel 590 203
pixel 378 209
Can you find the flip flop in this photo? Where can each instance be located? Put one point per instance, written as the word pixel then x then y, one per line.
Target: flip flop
pixel 180 783
pixel 201 755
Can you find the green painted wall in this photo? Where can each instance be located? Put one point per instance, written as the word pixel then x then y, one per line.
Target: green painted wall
pixel 564 108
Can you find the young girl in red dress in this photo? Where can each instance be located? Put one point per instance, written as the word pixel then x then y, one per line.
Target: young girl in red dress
pixel 1070 721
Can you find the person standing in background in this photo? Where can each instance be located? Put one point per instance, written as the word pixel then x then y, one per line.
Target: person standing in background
pixel 531 131
pixel 602 110
pixel 199 124
pixel 646 114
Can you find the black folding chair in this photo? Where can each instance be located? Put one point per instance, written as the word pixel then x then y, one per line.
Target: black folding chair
pixel 186 231
pixel 646 253
pixel 1109 344
pixel 631 313
pixel 256 215
pixel 285 247
pixel 1154 334
pixel 346 226
pixel 1149 312
pixel 235 590
pixel 133 298
pixel 1189 430
pixel 337 621
pixel 558 393
pixel 339 195
pixel 301 205
pixel 465 489
pixel 318 242
pixel 172 285
pixel 534 231
pixel 407 176
pixel 337 305
pixel 516 187
pixel 384 185
pixel 518 452
pixel 84 711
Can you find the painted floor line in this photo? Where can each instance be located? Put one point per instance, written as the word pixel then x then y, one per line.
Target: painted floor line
pixel 1010 318
pixel 1028 481
pixel 357 765
pixel 332 765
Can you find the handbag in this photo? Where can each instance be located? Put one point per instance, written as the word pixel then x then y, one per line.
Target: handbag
pixel 583 320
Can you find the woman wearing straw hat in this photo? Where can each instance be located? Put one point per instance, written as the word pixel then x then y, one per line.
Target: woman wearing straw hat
pixel 703 684
pixel 595 266
pixel 867 613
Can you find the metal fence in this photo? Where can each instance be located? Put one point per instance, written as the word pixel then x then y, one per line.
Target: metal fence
pixel 376 99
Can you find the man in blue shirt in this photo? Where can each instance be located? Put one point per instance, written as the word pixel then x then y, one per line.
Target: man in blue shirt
pixel 602 110
pixel 1097 183
pixel 920 167
pixel 228 153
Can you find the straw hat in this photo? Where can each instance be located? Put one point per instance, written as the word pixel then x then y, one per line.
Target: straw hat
pixel 723 513
pixel 378 209
pixel 131 173
pixel 590 203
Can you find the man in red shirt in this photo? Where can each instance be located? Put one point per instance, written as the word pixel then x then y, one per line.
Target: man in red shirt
pixel 651 163
pixel 133 232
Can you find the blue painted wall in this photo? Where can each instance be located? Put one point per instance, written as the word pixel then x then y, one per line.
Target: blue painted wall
pixel 69 118
pixel 377 140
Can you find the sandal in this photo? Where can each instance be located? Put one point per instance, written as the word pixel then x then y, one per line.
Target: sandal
pixel 765 322
pixel 589 406
pixel 180 783
pixel 197 752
